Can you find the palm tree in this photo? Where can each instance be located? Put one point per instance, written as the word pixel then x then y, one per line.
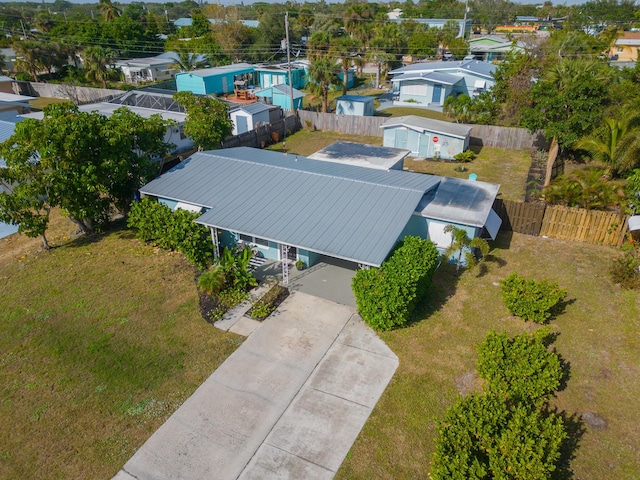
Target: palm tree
pixel 342 48
pixel 616 144
pixel 213 280
pixel 186 61
pixel 462 244
pixel 322 74
pixel 109 10
pixel 96 65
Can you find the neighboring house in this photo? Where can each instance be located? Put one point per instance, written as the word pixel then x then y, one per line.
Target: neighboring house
pixel 8 121
pixel 280 95
pixel 425 137
pixel 9 56
pixel 150 69
pixel 395 16
pixel 351 79
pixel 355 105
pixel 216 80
pixel 359 155
pixel 430 83
pixel 493 48
pixel 625 48
pixel 320 209
pixel 247 117
pixel 269 75
pixel 174 134
pixel 15 103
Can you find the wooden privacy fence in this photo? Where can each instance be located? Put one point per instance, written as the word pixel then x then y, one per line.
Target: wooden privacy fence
pixel 509 138
pixel 563 223
pixel 349 124
pixel 263 134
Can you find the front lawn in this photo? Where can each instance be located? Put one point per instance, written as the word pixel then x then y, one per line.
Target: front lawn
pixel 598 337
pixel 418 112
pixel 101 341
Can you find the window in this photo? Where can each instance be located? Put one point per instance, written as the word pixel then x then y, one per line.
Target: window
pixel 254 240
pixel 414 88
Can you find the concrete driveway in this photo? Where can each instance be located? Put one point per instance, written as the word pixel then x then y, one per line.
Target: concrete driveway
pixel 288 404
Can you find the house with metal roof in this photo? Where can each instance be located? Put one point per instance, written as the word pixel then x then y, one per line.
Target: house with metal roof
pixel 430 83
pixel 8 121
pixel 149 69
pixel 282 204
pixel 280 95
pixel 355 105
pixel 492 48
pixel 426 137
pixel 625 48
pixel 246 117
pixel 278 74
pixel 216 80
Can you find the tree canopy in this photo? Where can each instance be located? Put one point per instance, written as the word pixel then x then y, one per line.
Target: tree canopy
pixel 85 163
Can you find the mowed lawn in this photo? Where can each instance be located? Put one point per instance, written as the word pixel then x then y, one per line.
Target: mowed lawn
pixel 305 142
pixel 100 341
pixel 598 338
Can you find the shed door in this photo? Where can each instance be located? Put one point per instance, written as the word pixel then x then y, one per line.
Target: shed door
pixel 437 93
pixel 401 138
pixel 266 79
pixel 423 146
pixel 242 124
pixel 225 85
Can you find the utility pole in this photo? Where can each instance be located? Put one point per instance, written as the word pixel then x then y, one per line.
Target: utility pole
pixel 286 29
pixel 464 22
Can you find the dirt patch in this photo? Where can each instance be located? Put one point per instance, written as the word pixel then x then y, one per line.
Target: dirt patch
pixel 595 421
pixel 468 383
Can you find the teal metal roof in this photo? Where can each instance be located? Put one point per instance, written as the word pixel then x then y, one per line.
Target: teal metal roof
pixel 349 212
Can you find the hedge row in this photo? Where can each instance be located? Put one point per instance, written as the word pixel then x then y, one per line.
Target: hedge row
pixel 387 296
pixel 172 230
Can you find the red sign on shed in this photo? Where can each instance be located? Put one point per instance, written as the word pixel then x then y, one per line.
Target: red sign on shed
pixel 435 139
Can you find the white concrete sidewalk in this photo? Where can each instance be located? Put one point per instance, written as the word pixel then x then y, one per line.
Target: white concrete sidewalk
pixel 289 403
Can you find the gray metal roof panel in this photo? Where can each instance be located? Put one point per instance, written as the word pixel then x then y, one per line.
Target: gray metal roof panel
pixel 252 108
pixel 473 66
pixel 437 126
pixel 460 201
pixel 355 98
pixel 207 72
pixel 349 212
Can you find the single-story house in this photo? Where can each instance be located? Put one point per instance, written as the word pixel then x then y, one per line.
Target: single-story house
pixel 280 95
pixel 396 17
pixel 493 48
pixel 305 209
pixel 150 69
pixel 246 117
pixel 175 132
pixel 370 156
pixel 425 137
pixel 355 105
pixel 625 48
pixel 216 80
pixel 269 75
pixel 430 83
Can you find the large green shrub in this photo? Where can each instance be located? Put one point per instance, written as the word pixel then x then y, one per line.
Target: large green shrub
pixel 156 223
pixel 482 437
pixel 531 300
pixel 519 369
pixel 387 296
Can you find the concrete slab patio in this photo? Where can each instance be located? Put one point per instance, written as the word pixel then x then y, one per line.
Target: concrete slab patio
pixel 287 404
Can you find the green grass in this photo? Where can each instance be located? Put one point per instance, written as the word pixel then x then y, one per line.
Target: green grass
pixel 508 168
pixel 101 340
pixel 598 337
pixel 41 102
pixel 418 112
pixel 305 142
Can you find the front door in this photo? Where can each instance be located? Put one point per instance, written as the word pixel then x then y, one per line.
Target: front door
pixel 242 126
pixel 292 254
pixel 437 93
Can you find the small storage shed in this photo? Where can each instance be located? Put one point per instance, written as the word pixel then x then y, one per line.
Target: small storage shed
pixel 425 137
pixel 280 95
pixel 359 155
pixel 246 117
pixel 354 105
pixel 270 75
pixel 216 81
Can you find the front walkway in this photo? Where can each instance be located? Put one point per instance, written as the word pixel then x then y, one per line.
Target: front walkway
pixel 289 403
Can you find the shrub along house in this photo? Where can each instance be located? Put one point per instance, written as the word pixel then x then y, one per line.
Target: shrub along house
pixel 425 137
pixel 288 206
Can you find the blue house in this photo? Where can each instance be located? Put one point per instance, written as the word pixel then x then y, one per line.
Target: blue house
pixel 425 137
pixel 8 121
pixel 355 105
pixel 280 95
pixel 216 81
pixel 431 83
pixel 279 205
pixel 270 75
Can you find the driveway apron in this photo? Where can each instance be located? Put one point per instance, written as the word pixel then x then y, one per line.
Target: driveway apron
pixel 289 403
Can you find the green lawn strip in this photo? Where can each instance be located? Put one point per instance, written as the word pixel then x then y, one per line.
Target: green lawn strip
pixel 509 168
pixel 418 112
pixel 101 341
pixel 597 337
pixel 305 142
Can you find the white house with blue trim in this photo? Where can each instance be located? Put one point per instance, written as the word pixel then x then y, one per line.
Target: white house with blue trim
pixel 308 209
pixel 430 83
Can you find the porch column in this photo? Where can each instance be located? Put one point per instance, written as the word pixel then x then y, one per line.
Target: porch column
pixel 284 258
pixel 214 239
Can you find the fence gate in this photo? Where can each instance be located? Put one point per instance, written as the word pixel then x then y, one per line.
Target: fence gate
pixel 520 217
